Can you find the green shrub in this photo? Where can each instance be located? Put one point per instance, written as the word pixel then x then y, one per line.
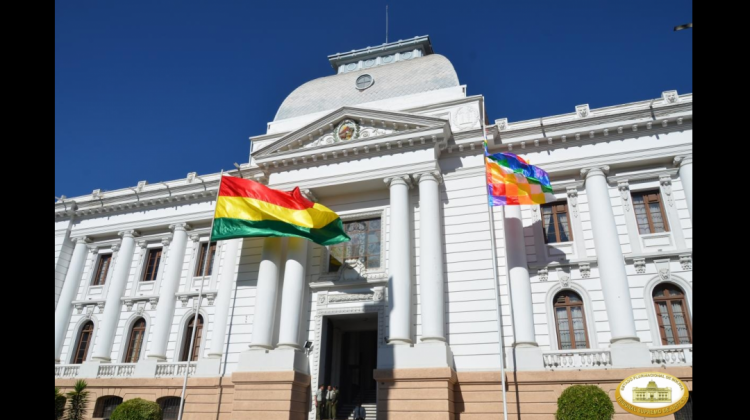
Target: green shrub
pixel 584 402
pixel 59 404
pixel 137 409
pixel 78 400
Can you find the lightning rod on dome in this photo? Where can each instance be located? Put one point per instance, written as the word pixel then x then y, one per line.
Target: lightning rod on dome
pixel 386 23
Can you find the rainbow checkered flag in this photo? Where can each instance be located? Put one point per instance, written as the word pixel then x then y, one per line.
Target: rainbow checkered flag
pixel 512 181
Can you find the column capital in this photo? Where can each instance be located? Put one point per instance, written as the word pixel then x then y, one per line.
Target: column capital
pixel 166 241
pixel 683 160
pixel 599 170
pixel 400 179
pixel 128 234
pixel 195 237
pixel 81 239
pixel 180 226
pixel 428 176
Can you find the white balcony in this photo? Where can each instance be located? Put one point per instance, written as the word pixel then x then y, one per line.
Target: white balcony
pixel 577 359
pixel 175 369
pixel 125 370
pixel 677 355
pixel 66 371
pixel 116 370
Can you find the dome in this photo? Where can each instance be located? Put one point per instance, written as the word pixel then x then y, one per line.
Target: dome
pixel 422 74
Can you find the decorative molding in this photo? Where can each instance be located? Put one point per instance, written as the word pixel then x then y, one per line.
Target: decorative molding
pixel 666 185
pixel 129 304
pixel 100 305
pixel 585 269
pixel 650 175
pixel 502 124
pixel 665 274
pixel 640 265
pixel 583 111
pixel 351 297
pixel 406 179
pixel 535 213
pixel 686 261
pixel 543 274
pixel 153 301
pixel 211 297
pixel 563 278
pixel 141 308
pixel 670 97
pixel 624 189
pixel 184 299
pixel 573 199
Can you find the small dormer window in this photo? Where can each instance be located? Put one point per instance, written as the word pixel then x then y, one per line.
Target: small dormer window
pixel 364 81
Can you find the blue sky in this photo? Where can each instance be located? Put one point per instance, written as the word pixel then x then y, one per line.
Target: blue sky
pixel 152 90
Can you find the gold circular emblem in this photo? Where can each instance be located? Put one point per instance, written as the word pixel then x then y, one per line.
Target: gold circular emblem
pixel 651 394
pixel 346 130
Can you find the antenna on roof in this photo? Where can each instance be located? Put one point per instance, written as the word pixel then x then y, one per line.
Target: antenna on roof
pixel 386 23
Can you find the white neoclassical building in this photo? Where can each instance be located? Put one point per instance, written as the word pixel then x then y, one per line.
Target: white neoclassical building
pixel 592 288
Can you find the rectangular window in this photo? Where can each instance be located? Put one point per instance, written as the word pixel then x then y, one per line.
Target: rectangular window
pixel 202 259
pixel 649 212
pixel 152 264
pixel 102 268
pixel 364 246
pixel 556 223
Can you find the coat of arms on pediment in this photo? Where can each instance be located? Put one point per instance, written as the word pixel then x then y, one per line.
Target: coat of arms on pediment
pixel 351 125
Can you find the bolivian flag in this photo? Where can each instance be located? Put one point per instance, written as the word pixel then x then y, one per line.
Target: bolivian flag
pixel 246 208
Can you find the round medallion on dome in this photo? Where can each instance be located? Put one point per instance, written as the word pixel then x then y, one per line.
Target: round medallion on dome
pixel 346 130
pixel 351 66
pixel 370 62
pixel 406 55
pixel 388 58
pixel 364 81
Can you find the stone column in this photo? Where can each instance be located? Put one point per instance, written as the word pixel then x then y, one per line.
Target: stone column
pixel 293 293
pixel 611 264
pixel 399 282
pixel 223 298
pixel 169 284
pixel 265 296
pixel 68 293
pixel 109 319
pixel 431 278
pixel 526 353
pixel 520 284
pixel 686 177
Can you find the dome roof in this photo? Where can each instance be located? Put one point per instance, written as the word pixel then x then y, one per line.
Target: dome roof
pixel 417 75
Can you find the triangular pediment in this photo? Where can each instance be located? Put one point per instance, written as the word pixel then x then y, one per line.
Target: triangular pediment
pixel 350 124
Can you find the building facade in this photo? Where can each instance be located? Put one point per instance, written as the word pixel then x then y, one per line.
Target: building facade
pixel 592 288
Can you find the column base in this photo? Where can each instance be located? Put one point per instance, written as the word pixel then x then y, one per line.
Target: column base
pixel 145 368
pixel 526 357
pixel 208 367
pixel 424 394
pixel 628 354
pixel 270 395
pixel 280 360
pixel 89 369
pixel 425 355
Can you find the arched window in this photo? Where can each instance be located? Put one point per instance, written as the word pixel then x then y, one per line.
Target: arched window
pixel 135 342
pixel 105 406
pixel 84 340
pixel 672 315
pixel 188 336
pixel 571 322
pixel 170 407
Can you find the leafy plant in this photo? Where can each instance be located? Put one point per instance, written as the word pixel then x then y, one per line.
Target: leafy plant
pixel 584 402
pixel 78 400
pixel 59 404
pixel 137 409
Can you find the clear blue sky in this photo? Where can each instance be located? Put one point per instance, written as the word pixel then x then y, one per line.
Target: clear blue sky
pixel 152 90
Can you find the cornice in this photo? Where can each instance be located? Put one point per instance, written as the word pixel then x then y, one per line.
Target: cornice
pixel 198 216
pixel 644 176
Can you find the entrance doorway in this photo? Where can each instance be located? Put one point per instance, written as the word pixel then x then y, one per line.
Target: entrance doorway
pixel 348 357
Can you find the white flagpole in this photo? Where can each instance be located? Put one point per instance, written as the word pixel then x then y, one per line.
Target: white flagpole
pixel 198 306
pixel 495 284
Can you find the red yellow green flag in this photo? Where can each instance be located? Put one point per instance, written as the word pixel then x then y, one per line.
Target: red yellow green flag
pixel 246 208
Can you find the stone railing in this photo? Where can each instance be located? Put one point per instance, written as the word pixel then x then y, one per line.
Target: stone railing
pixel 66 371
pixel 577 359
pixel 116 370
pixel 677 355
pixel 168 370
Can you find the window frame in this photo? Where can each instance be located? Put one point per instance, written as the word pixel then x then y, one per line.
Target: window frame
pixel 568 305
pixel 98 272
pixel 187 334
pixel 359 218
pixel 99 406
pixel 130 344
pixel 74 359
pixel 163 401
pixel 660 323
pixel 555 222
pixel 646 203
pixel 198 271
pixel 155 270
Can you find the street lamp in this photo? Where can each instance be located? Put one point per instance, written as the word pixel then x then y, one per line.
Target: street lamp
pixel 685 26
